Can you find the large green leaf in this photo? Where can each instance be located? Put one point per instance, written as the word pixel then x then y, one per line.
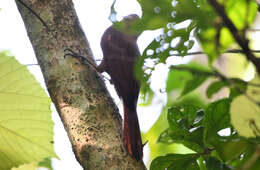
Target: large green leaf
pixel 156 14
pixel 214 164
pixel 237 87
pixel 194 83
pixel 177 80
pixel 229 148
pixel 216 118
pixel 184 127
pixel 187 77
pixel 245 111
pixel 214 87
pixel 246 161
pixel 156 148
pixel 26 127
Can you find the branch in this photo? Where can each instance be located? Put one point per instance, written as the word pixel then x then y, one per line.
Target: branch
pixel 240 39
pixel 31 64
pixel 234 51
pixel 254 29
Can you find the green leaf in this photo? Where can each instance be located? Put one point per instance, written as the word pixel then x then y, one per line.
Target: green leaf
pixel 230 148
pixel 238 87
pixel 202 163
pixel 199 11
pixel 245 111
pixel 214 164
pixel 188 76
pixel 194 83
pixel 156 148
pixel 177 79
pixel 156 14
pixel 216 118
pixel 26 125
pixel 192 140
pixel 183 117
pixel 165 137
pixel 184 127
pixel 245 116
pixel 253 89
pixel 176 162
pixel 146 97
pixel 249 155
pixel 214 87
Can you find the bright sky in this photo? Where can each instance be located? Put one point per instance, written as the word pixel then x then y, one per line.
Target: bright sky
pixel 93 17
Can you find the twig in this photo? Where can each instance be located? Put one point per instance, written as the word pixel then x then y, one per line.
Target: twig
pixel 253 84
pixel 207 151
pixel 240 39
pixel 254 29
pixel 235 51
pixel 31 64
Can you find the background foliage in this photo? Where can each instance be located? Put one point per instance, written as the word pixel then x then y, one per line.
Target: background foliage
pixel 200 126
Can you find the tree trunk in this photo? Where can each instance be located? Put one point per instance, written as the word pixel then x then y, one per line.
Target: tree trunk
pixel 87 111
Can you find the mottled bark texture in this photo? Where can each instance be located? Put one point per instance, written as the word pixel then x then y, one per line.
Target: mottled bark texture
pixel 87 111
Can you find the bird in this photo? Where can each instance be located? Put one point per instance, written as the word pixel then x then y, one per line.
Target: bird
pixel 120 54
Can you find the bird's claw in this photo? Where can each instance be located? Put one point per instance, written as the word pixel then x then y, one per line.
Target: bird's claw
pixel 69 52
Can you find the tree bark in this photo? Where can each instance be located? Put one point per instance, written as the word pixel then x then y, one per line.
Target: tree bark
pixel 87 111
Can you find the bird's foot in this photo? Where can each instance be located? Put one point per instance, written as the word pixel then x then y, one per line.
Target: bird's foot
pixel 69 52
pixel 81 58
pixel 84 61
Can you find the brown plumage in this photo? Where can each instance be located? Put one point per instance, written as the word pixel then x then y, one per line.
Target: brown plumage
pixel 120 53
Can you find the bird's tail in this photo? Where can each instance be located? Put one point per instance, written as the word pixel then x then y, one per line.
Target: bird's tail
pixel 131 133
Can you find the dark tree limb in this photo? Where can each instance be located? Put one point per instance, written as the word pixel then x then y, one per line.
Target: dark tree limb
pixel 87 111
pixel 240 38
